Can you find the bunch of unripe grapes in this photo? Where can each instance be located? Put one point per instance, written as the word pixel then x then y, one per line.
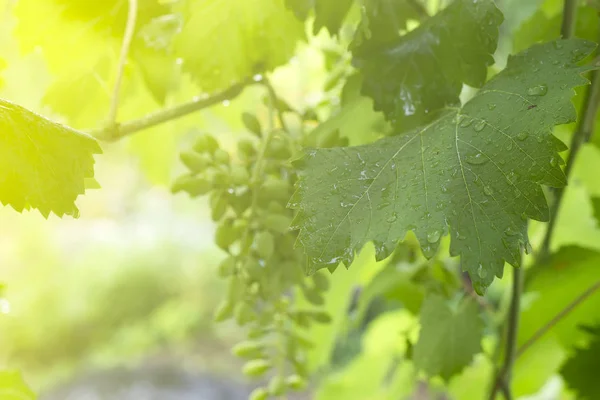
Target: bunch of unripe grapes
pixel 248 194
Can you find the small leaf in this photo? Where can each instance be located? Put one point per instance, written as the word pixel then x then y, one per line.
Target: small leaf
pixel 434 60
pixel 449 338
pixel 43 165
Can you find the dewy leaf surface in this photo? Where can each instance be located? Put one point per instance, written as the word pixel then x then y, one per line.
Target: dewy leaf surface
pixel 475 172
pixel 43 165
pixel 449 338
pixel 423 71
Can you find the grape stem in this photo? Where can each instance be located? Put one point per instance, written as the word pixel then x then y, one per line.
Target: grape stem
pixel 127 38
pixel 118 131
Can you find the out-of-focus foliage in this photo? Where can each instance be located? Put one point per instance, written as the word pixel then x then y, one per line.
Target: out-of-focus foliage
pixel 139 276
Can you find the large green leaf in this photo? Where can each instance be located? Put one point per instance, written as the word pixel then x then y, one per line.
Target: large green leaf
pixel 12 387
pixel 423 71
pixel 224 41
pixel 43 165
pixel 449 337
pixel 476 171
pixel 581 370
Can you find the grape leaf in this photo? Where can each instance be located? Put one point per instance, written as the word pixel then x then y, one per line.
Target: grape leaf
pixel 224 41
pixel 12 387
pixel 382 21
pixel 43 165
pixel 449 338
pixel 423 71
pixel 330 14
pixel 477 170
pixel 581 370
pixel 301 8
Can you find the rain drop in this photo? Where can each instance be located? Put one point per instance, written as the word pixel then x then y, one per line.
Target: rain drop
pixel 522 135
pixel 392 218
pixel 481 272
pixel 553 162
pixel 478 127
pixel 466 122
pixel 487 190
pixel 510 231
pixel 491 106
pixel 539 90
pixel 433 236
pixel 477 159
pixel 509 146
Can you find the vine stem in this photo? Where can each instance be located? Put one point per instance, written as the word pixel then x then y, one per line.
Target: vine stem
pixel 582 135
pixel 557 318
pixel 119 131
pixel 504 374
pixel 127 38
pixel 567 28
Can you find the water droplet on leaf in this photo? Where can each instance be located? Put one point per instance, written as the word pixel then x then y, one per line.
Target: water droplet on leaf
pixel 477 159
pixel 522 135
pixel 433 236
pixel 539 90
pixel 479 125
pixel 491 106
pixel 487 190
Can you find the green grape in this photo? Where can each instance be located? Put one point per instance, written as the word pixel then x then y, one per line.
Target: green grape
pixel 195 186
pixel 277 223
pixel 221 177
pixel 248 348
pixel 277 386
pixel 264 244
pixel 225 234
pixel 239 175
pixel 257 332
pixel 251 123
pixel 227 267
pixel 313 296
pixel 295 382
pixel 301 318
pixel 218 204
pixel 321 281
pixel 256 368
pixel 275 189
pixel 240 201
pixel 244 313
pixel 235 290
pixel 224 311
pixel 222 157
pixel 276 208
pixel 195 162
pixel 246 148
pixel 278 149
pixel 321 317
pixel 259 394
pixel 206 144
